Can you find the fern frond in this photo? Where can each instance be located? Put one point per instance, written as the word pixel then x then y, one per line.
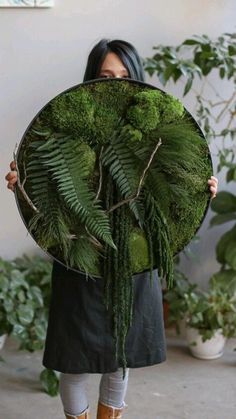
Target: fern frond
pixel 63 160
pixel 83 255
pixel 49 225
pixel 125 170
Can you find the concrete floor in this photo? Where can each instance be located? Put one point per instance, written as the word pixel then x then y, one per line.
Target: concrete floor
pixel 180 388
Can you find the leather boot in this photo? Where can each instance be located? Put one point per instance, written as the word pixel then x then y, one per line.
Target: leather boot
pixel 109 412
pixel 85 415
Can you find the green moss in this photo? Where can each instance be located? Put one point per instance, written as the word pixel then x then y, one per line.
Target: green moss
pixel 105 121
pixel 72 113
pixel 88 155
pixel 178 175
pixel 139 254
pixel 171 109
pixel 134 135
pixel 144 114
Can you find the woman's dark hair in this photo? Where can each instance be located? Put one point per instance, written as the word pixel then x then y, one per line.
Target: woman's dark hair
pixel 125 51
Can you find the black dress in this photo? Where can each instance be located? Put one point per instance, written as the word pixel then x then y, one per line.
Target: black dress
pixel 79 335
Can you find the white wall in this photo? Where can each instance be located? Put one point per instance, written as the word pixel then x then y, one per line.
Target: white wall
pixel 43 52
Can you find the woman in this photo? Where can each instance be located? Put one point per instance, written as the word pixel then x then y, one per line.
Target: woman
pixel 79 336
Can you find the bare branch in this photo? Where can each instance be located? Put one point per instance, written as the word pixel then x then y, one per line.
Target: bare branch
pixel 100 174
pixel 21 185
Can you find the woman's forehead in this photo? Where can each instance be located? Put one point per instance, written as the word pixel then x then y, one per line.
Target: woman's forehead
pixel 112 61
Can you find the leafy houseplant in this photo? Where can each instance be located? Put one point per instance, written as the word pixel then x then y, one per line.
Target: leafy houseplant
pixel 212 315
pixel 22 307
pixel 192 63
pixel 195 59
pixel 24 303
pixel 109 171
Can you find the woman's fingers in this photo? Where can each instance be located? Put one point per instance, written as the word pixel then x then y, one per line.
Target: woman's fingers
pixel 11 187
pixel 213 191
pixel 11 176
pixel 13 165
pixel 213 185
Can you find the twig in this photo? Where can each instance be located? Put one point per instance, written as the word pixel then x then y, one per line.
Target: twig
pixel 233 114
pixel 225 107
pixel 132 198
pixel 21 185
pixel 100 174
pixel 93 239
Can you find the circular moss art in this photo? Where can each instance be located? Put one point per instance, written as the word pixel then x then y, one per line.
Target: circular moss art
pixel 113 178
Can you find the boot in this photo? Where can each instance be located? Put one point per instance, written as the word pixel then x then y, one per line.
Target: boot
pixel 109 412
pixel 84 415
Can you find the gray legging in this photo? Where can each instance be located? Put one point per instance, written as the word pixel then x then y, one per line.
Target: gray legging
pixel 112 391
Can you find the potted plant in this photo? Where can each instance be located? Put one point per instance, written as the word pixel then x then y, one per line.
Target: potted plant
pixel 24 302
pixel 211 318
pixel 23 313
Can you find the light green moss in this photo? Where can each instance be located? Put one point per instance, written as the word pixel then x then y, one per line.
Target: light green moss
pixel 139 254
pixel 72 113
pixel 134 135
pixel 88 155
pixel 171 109
pixel 144 114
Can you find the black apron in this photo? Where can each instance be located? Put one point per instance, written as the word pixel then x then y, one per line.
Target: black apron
pixel 79 335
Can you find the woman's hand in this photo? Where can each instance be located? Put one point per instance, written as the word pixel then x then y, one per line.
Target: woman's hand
pixel 213 185
pixel 11 176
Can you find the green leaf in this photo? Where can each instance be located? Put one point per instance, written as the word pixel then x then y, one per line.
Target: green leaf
pixel 191 42
pixel 36 294
pixel 224 202
pixel 188 85
pixel 226 241
pixel 18 280
pixel 222 72
pixel 230 256
pixel 18 330
pixel 232 50
pixel 8 304
pixel 4 283
pixel 225 281
pixel 222 218
pixel 50 382
pixel 40 331
pixel 231 175
pixel 25 313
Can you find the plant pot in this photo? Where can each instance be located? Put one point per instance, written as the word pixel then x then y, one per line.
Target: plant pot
pixel 210 349
pixel 2 340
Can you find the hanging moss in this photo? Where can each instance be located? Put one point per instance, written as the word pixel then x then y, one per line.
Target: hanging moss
pixel 139 254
